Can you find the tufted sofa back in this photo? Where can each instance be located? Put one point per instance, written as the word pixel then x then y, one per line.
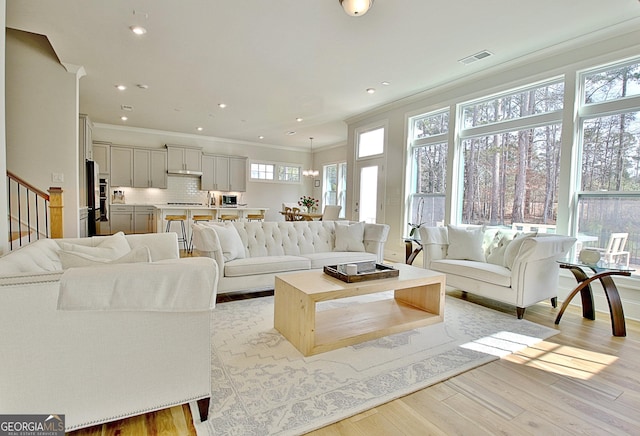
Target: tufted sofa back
pixel 286 238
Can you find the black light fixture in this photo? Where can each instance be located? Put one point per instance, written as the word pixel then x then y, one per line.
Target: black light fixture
pixel 355 8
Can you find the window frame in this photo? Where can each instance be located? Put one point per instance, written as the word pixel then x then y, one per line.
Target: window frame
pixel 276 170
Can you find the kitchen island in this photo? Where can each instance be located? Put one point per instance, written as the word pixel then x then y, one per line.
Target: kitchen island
pixel 190 211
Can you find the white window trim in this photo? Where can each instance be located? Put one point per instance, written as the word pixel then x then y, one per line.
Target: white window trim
pixel 275 172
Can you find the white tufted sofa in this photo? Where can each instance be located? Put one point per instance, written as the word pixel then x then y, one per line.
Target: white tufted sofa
pixel 250 254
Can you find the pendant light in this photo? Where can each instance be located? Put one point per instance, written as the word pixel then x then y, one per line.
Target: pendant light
pixel 310 172
pixel 355 8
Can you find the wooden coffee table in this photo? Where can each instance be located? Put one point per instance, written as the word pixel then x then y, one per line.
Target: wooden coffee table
pixel 418 301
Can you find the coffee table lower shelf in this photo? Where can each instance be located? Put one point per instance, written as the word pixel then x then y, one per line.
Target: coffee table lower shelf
pixel 418 301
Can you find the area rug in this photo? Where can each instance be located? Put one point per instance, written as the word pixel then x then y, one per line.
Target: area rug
pixel 263 386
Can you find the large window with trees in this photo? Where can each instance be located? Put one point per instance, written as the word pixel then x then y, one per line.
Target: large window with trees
pixel 510 144
pixel 608 201
pixel 428 149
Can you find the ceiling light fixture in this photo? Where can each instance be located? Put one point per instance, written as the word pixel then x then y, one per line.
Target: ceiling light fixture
pixel 123 118
pixel 356 8
pixel 299 119
pixel 310 172
pixel 371 90
pixel 138 30
pixel 121 87
pixel 199 129
pixel 222 105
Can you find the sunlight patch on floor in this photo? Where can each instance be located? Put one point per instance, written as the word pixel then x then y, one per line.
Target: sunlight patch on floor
pixel 501 344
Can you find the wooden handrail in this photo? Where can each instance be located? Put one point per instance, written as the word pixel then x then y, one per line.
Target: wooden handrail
pixel 28 185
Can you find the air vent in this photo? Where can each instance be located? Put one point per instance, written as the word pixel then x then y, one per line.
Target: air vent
pixel 126 107
pixel 476 57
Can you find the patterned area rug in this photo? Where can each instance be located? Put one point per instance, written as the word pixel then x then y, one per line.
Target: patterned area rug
pixel 263 386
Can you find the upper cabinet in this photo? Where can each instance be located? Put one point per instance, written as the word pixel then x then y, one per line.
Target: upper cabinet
pixel 121 166
pixel 101 155
pixel 184 160
pixel 149 168
pixel 224 173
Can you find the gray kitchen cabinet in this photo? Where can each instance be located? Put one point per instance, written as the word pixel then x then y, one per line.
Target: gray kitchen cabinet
pixel 121 166
pixel 183 159
pixel 121 218
pixel 144 219
pixel 224 173
pixel 101 155
pixel 149 168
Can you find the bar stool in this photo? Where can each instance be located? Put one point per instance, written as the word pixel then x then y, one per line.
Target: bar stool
pixel 197 219
pixel 255 216
pixel 178 218
pixel 227 217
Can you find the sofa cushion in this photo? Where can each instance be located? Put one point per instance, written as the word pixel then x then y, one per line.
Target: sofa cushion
pixel 482 271
pixel 320 260
pixel 110 248
pixel 39 256
pixel 265 265
pixel 349 237
pixel 230 242
pixel 73 259
pixel 465 243
pixel 513 248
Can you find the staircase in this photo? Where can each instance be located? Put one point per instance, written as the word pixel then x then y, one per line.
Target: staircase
pixel 33 214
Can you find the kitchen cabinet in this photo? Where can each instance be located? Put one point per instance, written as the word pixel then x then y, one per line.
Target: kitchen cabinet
pixel 184 159
pixel 121 218
pixel 144 219
pixel 224 173
pixel 149 168
pixel 132 219
pixel 101 155
pixel 84 222
pixel 121 166
pixel 85 147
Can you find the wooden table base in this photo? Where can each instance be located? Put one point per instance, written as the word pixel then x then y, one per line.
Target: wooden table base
pixel 618 326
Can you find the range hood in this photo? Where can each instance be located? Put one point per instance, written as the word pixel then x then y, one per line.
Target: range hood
pixel 184 173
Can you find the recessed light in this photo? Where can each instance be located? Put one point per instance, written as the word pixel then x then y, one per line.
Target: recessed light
pixel 291 132
pixel 299 119
pixel 123 118
pixel 138 30
pixel 199 129
pixel 385 83
pixel 371 90
pixel 222 105
pixel 260 137
pixel 142 86
pixel 121 87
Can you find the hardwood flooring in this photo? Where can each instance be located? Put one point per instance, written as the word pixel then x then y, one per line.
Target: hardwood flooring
pixel 581 381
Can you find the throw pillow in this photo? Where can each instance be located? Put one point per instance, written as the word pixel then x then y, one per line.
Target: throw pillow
pixel 230 242
pixel 112 247
pixel 512 250
pixel 465 243
pixel 73 259
pixel 349 237
pixel 496 254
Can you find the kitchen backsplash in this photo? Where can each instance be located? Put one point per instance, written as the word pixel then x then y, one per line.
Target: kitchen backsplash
pixel 179 189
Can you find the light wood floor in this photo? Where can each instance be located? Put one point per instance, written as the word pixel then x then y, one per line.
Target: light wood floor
pixel 581 381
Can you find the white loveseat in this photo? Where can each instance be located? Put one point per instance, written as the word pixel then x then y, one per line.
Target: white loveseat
pixel 501 264
pixel 107 340
pixel 250 254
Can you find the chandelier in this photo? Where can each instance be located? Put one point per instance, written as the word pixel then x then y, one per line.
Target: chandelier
pixel 310 172
pixel 355 8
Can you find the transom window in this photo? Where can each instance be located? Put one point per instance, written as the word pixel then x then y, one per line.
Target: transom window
pixel 371 143
pixel 276 172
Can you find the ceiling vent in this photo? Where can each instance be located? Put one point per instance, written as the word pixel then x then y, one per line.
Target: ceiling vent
pixel 126 107
pixel 476 57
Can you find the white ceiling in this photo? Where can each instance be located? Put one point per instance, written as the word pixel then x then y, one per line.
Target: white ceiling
pixel 272 61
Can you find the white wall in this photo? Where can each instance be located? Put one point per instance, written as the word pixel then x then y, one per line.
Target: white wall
pixel 258 194
pixel 566 62
pixel 4 228
pixel 42 119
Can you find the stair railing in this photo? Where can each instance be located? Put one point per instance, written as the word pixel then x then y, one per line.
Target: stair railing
pixel 28 209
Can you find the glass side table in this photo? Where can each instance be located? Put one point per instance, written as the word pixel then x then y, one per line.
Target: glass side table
pixel 604 275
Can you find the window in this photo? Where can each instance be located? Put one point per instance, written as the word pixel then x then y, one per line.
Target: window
pixel 609 177
pixel 261 171
pixel 371 143
pixel 334 185
pixel 511 151
pixel 428 150
pixel 288 173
